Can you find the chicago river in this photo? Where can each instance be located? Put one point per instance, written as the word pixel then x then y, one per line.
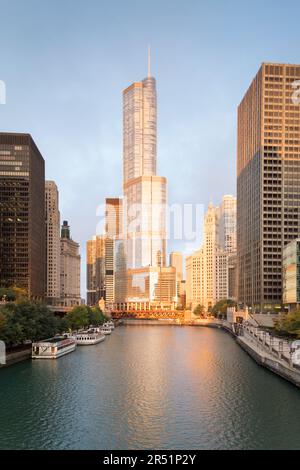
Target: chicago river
pixel 149 387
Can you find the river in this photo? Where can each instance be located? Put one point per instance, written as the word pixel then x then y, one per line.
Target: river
pixel 149 387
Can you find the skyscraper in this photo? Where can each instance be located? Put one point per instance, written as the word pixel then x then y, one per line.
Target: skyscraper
pixel 113 233
pixel 211 271
pixel 144 193
pixel 22 215
pixel 268 183
pixel 53 243
pixel 195 294
pixel 176 262
pixel 95 254
pixel 227 224
pixel 69 269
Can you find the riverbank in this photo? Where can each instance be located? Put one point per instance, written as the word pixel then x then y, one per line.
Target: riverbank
pixel 269 361
pixel 17 355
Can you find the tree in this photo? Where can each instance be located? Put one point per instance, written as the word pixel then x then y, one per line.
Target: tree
pixel 221 307
pixel 26 320
pixel 78 317
pixel 199 311
pixel 11 294
pixel 96 316
pixel 289 324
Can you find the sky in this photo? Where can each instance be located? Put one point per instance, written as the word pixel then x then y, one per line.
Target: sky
pixel 66 62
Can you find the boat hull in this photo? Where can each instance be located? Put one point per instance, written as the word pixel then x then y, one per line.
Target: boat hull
pixel 90 342
pixel 60 353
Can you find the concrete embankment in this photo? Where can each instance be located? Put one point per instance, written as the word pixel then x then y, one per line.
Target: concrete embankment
pixel 13 357
pixel 270 362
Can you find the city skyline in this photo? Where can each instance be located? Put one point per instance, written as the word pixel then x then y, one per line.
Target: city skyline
pixel 80 106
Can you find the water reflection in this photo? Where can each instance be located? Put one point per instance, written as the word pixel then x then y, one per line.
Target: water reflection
pixel 149 387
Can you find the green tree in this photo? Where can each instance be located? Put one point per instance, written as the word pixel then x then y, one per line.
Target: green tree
pixel 96 316
pixel 199 311
pixel 78 317
pixel 289 324
pixel 221 307
pixel 26 320
pixel 11 294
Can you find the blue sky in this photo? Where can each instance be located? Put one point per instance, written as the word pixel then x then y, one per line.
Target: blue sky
pixel 65 63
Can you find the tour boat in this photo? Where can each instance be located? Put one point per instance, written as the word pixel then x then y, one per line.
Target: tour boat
pixel 110 324
pixel 53 348
pixel 105 330
pixel 87 338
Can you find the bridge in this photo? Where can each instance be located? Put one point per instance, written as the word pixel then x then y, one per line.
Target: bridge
pixel 149 315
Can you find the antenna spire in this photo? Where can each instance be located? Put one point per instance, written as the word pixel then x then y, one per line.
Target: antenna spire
pixel 149 61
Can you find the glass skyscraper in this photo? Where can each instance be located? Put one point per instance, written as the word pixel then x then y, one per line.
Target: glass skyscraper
pixel 145 194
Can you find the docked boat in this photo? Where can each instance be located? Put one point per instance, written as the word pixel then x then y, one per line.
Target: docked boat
pixel 90 337
pixel 105 330
pixel 110 324
pixel 53 348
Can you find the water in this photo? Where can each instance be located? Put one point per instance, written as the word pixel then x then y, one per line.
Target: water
pixel 149 387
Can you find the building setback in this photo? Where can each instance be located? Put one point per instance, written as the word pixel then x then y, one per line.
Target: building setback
pixel 22 215
pixel 268 183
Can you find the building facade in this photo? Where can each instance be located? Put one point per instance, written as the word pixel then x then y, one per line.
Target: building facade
pixel 268 183
pixel 211 271
pixel 53 243
pixel 195 293
pixel 22 215
pixel 145 197
pixel 95 256
pixel 69 269
pixel 113 233
pixel 227 224
pixel 291 275
pixel 176 261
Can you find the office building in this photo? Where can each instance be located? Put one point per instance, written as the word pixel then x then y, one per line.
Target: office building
pixel 291 275
pixel 176 262
pixel 53 243
pixel 268 183
pixel 145 194
pixel 69 269
pixel 95 254
pixel 22 215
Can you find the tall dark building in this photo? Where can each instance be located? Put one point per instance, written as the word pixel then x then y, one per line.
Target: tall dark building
pixel 22 214
pixel 268 183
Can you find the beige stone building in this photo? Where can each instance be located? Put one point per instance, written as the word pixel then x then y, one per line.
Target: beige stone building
pixel 69 269
pixel 176 261
pixel 209 275
pixel 53 243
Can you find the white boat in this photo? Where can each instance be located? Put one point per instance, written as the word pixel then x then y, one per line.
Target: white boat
pixel 110 324
pixel 87 338
pixel 53 348
pixel 105 330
